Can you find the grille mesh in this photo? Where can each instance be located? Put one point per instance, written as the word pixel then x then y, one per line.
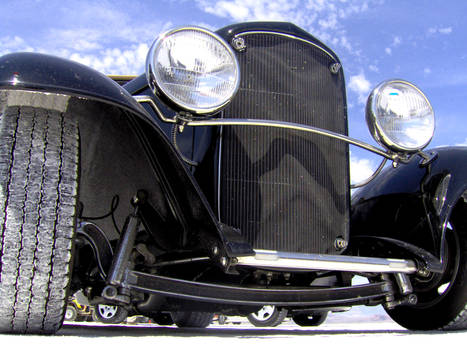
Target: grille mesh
pixel 286 190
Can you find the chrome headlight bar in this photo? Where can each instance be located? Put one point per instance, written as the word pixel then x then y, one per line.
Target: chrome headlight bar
pixel 395 157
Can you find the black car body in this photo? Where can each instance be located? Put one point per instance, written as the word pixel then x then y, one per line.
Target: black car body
pixel 115 188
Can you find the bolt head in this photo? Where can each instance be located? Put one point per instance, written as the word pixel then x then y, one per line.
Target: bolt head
pixel 340 243
pixel 238 44
pixel 412 299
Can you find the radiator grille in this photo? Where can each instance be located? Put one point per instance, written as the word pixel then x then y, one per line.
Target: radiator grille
pixel 286 190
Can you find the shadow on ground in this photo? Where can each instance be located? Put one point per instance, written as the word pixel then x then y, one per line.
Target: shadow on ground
pixel 94 330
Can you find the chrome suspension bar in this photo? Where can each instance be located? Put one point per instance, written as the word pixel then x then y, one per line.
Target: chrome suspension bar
pixel 297 261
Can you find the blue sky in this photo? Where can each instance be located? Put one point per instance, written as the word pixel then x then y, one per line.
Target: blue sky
pixel 424 42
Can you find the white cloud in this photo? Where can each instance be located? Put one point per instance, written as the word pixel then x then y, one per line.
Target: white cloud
pixel 360 85
pixel 115 61
pixel 129 60
pixel 80 40
pixel 246 10
pixel 330 22
pixel 10 44
pixel 447 30
pixel 86 28
pixel 322 18
pixel 361 169
pixel 396 41
pixel 344 42
pixel 440 30
pixel 97 34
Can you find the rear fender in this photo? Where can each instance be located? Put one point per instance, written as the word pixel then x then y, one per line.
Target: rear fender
pixel 400 204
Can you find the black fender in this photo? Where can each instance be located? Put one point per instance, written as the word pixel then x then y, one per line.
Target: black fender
pixel 400 203
pixel 122 150
pixel 41 72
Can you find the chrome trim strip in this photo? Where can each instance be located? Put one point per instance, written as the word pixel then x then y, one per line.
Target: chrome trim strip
pixel 150 101
pixel 219 170
pixel 333 57
pixel 297 261
pixel 293 126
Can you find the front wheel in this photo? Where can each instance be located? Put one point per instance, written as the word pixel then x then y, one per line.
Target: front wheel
pixel 442 298
pixel 38 195
pixel 267 316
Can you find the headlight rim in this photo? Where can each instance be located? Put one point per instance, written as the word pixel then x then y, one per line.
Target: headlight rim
pixel 378 133
pixel 158 90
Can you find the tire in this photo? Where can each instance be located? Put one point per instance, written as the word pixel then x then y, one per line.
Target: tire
pixel 192 319
pixel 310 320
pixel 71 314
pixel 38 197
pixel 110 314
pixel 442 298
pixel 163 319
pixel 267 316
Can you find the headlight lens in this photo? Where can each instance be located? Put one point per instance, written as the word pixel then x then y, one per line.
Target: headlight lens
pixel 400 117
pixel 195 68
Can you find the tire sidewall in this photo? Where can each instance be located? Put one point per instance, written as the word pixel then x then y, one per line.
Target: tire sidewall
pixel 276 317
pixel 119 316
pixel 71 314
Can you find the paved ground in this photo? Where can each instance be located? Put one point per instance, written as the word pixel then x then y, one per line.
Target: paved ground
pixel 375 336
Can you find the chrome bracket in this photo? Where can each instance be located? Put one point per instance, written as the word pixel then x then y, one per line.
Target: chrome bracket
pixel 427 159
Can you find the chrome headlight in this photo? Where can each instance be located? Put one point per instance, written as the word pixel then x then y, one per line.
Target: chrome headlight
pixel 400 117
pixel 195 68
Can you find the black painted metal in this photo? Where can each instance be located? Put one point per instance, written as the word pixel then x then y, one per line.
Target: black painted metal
pixel 224 294
pixel 285 190
pixel 40 72
pixel 398 203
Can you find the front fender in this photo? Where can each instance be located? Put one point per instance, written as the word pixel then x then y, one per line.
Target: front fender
pixel 399 204
pixel 40 72
pixel 123 148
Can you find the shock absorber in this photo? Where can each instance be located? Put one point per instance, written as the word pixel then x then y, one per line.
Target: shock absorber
pixel 115 289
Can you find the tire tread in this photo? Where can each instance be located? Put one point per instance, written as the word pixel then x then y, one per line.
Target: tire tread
pixel 38 205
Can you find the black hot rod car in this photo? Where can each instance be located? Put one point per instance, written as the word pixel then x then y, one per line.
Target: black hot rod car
pixel 218 182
